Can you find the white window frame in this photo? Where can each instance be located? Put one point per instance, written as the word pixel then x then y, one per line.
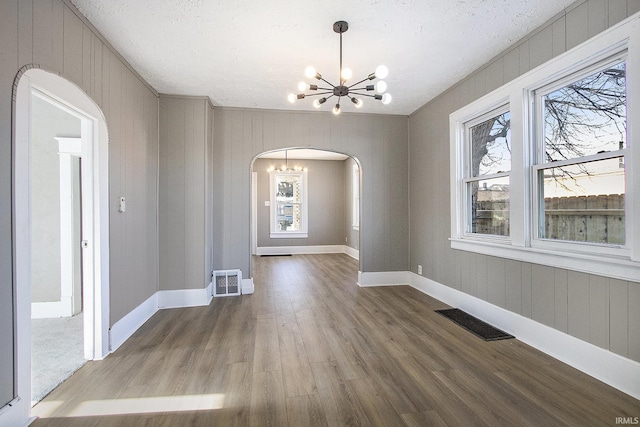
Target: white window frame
pixel 355 189
pixel 275 233
pixel 468 178
pixel 618 262
pixel 538 163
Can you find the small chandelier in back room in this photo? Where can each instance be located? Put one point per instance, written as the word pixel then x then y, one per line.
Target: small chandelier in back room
pixel 352 92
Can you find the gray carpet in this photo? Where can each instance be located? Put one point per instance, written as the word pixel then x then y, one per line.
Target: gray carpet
pixel 57 351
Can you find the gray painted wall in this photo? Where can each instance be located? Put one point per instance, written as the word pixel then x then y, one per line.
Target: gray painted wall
pixel 52 34
pixel 185 192
pixel 326 202
pixel 596 309
pixel 47 123
pixel 378 141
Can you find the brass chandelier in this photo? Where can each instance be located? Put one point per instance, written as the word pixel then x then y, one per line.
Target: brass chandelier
pixel 352 92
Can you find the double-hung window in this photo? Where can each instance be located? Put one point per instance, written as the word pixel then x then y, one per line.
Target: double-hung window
pixel 487 166
pixel 288 204
pixel 579 173
pixel 545 168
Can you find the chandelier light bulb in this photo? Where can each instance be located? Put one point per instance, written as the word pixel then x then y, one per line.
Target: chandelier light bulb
pixel 310 72
pixel 382 72
pixel 381 86
pixel 346 74
pixel 352 91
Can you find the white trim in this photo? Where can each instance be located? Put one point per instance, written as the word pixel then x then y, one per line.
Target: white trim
pixel 288 235
pixel 382 278
pixel 254 213
pixel 301 250
pixel 623 263
pixel 610 266
pixel 610 368
pixel 52 309
pixel 131 322
pixel 274 232
pixel 247 286
pixel 353 253
pixel 179 298
pixel 70 289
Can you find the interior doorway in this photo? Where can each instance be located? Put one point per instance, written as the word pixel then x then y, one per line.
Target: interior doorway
pixel 330 184
pixel 57 334
pixel 60 211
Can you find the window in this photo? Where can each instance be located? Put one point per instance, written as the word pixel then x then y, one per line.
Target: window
pixel 544 170
pixel 488 162
pixel 580 173
pixel 355 191
pixel 288 204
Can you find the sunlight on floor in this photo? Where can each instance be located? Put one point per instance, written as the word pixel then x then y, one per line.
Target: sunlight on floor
pixel 138 405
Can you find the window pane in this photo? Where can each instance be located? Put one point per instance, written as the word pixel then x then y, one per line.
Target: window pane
pixel 288 202
pixel 289 217
pixel 491 146
pixel 587 116
pixel 490 206
pixel 584 202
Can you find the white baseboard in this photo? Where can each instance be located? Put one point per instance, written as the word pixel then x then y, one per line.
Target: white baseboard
pixel 353 253
pixel 306 250
pixel 247 286
pixel 184 297
pixel 52 310
pixel 382 278
pixel 610 368
pixel 125 327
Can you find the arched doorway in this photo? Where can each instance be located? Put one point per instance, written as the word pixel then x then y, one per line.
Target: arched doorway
pixel 93 149
pixel 337 171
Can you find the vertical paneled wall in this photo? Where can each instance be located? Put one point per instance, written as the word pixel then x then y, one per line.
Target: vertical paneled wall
pixel 50 34
pixel 378 141
pixel 185 192
pixel 599 310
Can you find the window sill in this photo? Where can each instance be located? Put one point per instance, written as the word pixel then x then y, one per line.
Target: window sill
pixel 288 235
pixel 604 265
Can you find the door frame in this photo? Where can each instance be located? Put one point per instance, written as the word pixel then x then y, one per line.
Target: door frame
pixel 95 228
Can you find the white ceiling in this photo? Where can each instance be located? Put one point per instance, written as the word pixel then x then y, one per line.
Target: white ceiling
pixel 249 53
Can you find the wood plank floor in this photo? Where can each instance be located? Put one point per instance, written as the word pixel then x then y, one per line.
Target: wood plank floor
pixel 312 348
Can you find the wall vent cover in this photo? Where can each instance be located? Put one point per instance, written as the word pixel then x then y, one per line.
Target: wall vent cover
pixel 227 283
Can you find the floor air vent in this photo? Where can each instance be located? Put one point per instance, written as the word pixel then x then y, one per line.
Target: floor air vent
pixel 227 283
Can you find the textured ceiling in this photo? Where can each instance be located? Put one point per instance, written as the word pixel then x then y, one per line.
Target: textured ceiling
pixel 249 53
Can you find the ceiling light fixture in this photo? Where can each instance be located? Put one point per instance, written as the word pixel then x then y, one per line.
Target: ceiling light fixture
pixel 352 91
pixel 285 167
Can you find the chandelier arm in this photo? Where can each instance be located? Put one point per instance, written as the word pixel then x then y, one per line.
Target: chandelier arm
pixel 329 83
pixel 357 88
pixel 364 94
pixel 318 93
pixel 357 83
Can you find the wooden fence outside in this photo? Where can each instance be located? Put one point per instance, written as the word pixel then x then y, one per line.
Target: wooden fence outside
pixel 596 219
